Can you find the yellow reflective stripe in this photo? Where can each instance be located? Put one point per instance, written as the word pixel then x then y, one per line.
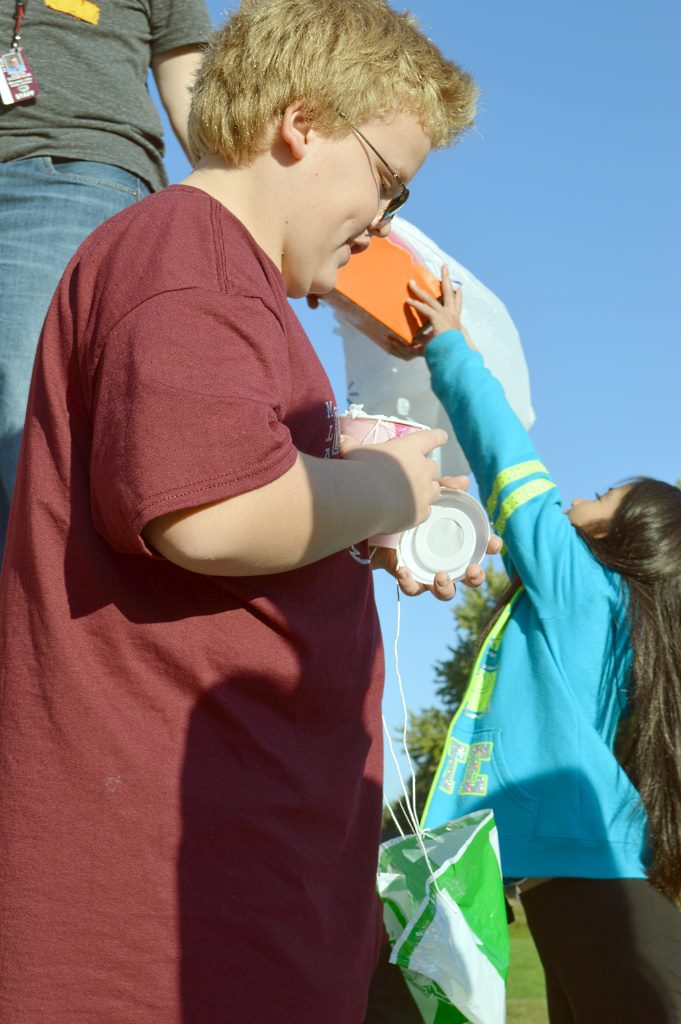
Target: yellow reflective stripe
pixel 519 497
pixel 509 476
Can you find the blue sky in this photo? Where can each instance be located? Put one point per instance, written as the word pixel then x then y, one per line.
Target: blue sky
pixel 565 201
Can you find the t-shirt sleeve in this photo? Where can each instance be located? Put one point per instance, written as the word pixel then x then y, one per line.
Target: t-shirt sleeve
pixel 177 23
pixel 188 404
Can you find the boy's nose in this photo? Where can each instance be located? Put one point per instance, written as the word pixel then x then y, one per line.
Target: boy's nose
pixel 380 227
pixel 361 243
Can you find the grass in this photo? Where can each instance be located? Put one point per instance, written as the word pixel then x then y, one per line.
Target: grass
pixel 525 1001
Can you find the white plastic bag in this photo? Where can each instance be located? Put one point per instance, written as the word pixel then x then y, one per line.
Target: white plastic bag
pixel 445 915
pixel 377 380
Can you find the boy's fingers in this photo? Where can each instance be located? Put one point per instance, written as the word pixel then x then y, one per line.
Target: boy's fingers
pixel 428 440
pixel 456 483
pixel 424 440
pixel 408 584
pixel 474 576
pixel 348 444
pixel 495 545
pixel 443 588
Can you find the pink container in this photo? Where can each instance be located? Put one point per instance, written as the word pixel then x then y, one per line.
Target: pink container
pixel 369 429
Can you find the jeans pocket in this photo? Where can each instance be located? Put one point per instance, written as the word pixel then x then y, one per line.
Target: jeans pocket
pixel 93 172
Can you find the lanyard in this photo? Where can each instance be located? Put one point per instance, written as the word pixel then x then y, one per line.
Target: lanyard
pixel 19 16
pixel 483 677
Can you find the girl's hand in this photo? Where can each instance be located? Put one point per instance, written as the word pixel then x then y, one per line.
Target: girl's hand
pixel 442 314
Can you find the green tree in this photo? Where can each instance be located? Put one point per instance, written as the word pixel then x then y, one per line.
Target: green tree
pixel 427 730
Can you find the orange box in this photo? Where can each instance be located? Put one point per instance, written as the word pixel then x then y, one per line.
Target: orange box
pixel 371 292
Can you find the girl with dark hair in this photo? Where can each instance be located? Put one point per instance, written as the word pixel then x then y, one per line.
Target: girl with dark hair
pixel 570 728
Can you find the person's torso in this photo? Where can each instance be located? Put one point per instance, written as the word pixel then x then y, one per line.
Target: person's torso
pixel 533 739
pixel 91 69
pixel 229 727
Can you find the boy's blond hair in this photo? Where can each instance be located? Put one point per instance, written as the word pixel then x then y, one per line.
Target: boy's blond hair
pixel 356 57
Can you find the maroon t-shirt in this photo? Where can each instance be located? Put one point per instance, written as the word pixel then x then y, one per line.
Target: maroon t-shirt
pixel 190 766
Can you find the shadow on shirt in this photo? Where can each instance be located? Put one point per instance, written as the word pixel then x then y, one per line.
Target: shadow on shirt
pixel 278 911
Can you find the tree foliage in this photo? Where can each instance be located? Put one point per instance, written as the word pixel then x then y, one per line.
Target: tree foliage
pixel 427 730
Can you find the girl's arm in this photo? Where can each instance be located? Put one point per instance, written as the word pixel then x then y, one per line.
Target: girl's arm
pixel 517 489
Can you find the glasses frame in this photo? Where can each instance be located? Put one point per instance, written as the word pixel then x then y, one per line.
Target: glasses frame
pixel 398 202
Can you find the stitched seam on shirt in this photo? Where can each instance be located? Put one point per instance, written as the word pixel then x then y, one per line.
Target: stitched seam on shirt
pixel 174 291
pixel 181 389
pixel 219 251
pixel 199 485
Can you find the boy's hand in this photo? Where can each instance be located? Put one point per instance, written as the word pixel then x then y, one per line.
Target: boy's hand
pixel 406 479
pixel 442 587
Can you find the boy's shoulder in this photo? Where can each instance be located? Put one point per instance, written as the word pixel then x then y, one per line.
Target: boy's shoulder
pixel 181 237
pixel 171 246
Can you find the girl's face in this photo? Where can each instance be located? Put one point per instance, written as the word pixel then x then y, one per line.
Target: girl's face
pixel 594 514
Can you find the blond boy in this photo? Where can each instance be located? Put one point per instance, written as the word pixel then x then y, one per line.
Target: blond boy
pixel 190 783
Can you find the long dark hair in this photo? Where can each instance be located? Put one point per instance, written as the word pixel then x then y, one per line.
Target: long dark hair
pixel 642 542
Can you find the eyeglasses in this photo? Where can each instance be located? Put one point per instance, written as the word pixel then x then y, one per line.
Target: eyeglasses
pixel 400 198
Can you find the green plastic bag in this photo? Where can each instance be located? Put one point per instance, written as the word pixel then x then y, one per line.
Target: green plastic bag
pixel 445 914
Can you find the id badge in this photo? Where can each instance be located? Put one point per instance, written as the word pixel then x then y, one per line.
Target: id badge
pixel 17 81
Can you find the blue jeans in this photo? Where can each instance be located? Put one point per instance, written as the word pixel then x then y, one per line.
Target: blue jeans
pixel 47 208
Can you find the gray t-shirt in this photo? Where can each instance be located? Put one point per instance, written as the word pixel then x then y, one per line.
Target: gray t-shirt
pixel 93 102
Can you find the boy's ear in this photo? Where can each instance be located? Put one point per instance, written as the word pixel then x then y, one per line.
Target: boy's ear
pixel 295 129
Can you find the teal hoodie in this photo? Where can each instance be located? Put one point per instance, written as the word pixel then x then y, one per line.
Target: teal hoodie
pixel 533 737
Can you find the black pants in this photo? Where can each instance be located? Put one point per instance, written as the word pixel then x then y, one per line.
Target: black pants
pixel 390 1001
pixel 611 952
pixel 610 948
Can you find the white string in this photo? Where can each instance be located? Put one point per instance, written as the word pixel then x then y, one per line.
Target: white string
pixel 394 817
pixel 404 704
pixel 372 436
pixel 409 811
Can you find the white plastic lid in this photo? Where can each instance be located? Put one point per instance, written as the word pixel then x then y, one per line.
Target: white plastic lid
pixel 454 535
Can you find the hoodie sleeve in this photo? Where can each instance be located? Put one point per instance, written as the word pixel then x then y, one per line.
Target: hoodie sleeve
pixel 521 498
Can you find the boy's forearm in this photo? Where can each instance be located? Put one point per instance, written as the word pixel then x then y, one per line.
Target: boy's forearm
pixel 316 508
